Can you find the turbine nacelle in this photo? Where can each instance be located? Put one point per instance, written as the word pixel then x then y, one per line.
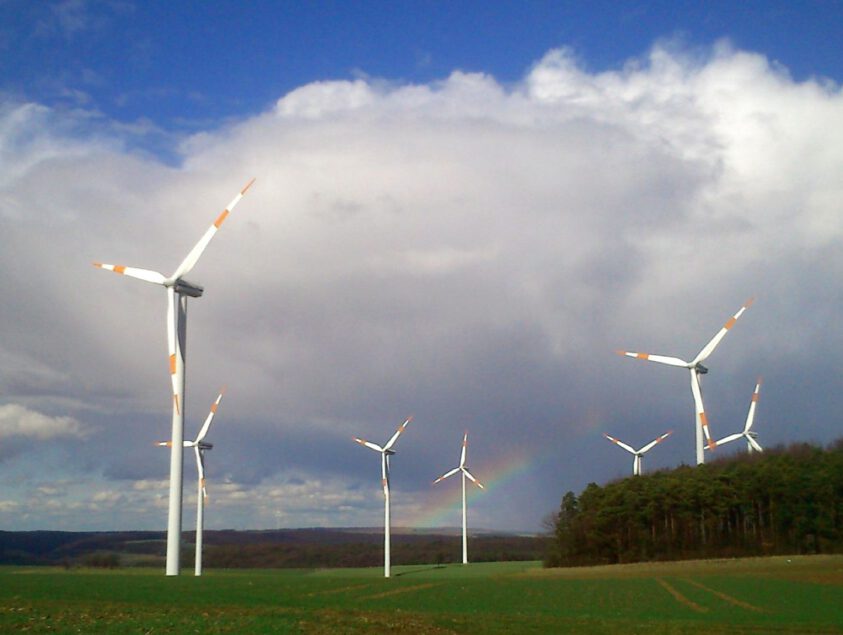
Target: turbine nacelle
pixel 702 370
pixel 183 287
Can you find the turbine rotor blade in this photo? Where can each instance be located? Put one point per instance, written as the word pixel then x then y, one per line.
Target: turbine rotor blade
pixel 369 444
pixel 699 409
pixel 200 462
pixel 471 478
pixel 446 475
pixel 730 438
pixel 708 349
pixel 660 359
pixel 385 474
pixel 397 434
pixel 754 444
pixel 146 275
pixel 209 418
pixel 620 443
pixel 171 344
pixel 650 445
pixel 193 257
pixel 750 417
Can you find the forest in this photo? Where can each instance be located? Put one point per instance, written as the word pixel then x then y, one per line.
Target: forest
pixel 786 500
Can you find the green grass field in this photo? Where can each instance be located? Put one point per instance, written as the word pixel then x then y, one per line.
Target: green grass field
pixel 763 595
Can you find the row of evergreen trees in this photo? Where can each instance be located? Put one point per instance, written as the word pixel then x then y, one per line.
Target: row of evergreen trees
pixel 786 500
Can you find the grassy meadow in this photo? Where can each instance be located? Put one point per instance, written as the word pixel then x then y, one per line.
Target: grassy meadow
pixel 757 595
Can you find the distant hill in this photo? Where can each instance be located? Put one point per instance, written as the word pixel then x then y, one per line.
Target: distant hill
pixel 228 548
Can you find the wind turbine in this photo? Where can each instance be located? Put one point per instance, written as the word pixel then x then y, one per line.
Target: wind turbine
pixel 178 291
pixel 385 451
pixel 199 447
pixel 636 462
pixel 696 367
pixel 465 474
pixel 749 435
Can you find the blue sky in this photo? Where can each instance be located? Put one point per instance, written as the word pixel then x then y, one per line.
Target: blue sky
pixel 461 210
pixel 199 64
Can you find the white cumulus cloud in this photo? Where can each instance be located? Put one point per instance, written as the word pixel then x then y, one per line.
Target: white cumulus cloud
pixel 18 421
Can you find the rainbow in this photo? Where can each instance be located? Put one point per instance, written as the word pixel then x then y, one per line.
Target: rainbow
pixel 445 501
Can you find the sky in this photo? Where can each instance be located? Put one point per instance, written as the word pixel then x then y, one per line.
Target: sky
pixel 461 211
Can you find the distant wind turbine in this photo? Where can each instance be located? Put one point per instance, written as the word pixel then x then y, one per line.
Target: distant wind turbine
pixel 749 435
pixel 636 462
pixel 697 369
pixel 385 452
pixel 199 446
pixel 465 474
pixel 178 291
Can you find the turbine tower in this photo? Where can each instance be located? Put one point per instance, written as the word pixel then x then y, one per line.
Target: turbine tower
pixel 178 291
pixel 385 452
pixel 751 444
pixel 636 462
pixel 696 368
pixel 199 447
pixel 465 474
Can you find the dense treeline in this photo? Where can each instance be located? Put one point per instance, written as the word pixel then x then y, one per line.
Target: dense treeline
pixel 784 501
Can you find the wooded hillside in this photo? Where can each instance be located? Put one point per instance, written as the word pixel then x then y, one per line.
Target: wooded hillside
pixel 786 500
pixel 315 547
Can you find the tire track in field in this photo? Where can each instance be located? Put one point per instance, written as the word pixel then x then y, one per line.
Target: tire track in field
pixel 726 598
pixel 681 598
pixel 406 589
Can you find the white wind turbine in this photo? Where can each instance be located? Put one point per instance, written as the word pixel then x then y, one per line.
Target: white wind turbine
pixel 697 369
pixel 465 474
pixel 636 462
pixel 385 452
pixel 199 446
pixel 178 291
pixel 749 435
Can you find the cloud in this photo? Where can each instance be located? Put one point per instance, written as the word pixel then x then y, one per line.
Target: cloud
pixel 18 421
pixel 464 251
